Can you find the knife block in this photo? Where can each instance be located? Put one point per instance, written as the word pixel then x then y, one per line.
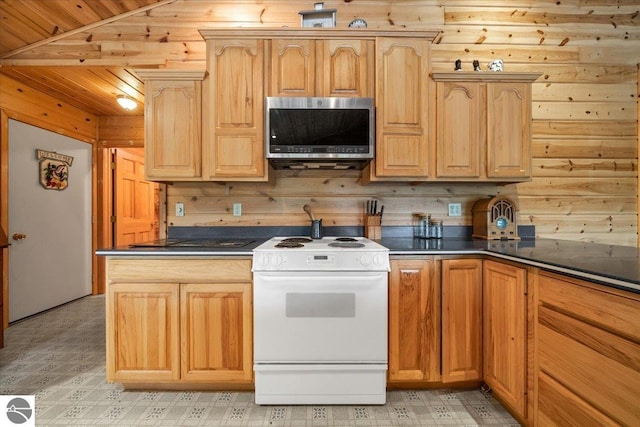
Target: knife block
pixel 372 227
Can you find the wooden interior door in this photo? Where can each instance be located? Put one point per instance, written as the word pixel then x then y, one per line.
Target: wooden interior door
pixel 136 216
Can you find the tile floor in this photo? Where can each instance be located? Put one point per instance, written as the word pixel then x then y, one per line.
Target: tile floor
pixel 59 356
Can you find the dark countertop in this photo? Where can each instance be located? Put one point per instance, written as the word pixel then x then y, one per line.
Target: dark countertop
pixel 613 265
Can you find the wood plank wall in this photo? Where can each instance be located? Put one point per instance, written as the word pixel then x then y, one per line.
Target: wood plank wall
pixel 585 125
pixel 585 131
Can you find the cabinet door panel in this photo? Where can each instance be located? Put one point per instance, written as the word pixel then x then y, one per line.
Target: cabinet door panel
pixel 402 88
pixel 293 68
pixel 142 332
pixel 504 340
pixel 216 332
pixel 172 129
pixel 234 144
pixel 508 133
pixel 460 129
pixel 461 320
pixel 347 68
pixel 414 321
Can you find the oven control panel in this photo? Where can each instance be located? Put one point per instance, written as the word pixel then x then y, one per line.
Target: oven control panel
pixel 342 261
pixel 321 260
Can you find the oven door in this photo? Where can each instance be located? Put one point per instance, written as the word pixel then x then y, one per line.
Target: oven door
pixel 320 317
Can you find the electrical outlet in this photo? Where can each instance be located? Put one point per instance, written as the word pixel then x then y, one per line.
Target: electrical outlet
pixel 179 209
pixel 455 209
pixel 237 209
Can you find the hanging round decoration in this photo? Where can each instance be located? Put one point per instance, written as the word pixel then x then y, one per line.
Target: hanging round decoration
pixel 358 23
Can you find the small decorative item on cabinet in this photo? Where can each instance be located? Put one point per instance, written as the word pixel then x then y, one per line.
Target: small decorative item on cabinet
pixel 318 17
pixel 496 65
pixel 494 218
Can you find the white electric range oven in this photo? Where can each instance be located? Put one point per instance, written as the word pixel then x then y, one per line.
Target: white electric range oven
pixel 320 321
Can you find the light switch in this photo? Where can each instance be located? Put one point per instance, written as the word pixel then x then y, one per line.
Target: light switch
pixel 237 209
pixel 455 209
pixel 179 209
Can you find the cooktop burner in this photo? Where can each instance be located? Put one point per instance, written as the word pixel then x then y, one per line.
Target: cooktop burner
pixel 346 244
pixel 297 240
pixel 288 244
pixel 346 239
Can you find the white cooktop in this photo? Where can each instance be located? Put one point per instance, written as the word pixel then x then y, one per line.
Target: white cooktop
pixel 326 254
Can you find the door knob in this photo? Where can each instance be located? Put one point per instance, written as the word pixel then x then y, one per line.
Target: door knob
pixel 19 236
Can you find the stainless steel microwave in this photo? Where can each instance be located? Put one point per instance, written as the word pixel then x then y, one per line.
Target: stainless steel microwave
pixel 319 132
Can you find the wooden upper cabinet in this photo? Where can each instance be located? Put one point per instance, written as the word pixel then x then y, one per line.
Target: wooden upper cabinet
pixel 460 129
pixel 233 140
pixel 508 130
pixel 483 125
pixel 346 68
pixel 293 68
pixel 173 114
pixel 402 106
pixel 321 68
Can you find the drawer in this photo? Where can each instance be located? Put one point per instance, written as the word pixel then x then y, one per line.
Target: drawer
pixel 610 309
pixel 602 368
pixel 179 270
pixel 557 406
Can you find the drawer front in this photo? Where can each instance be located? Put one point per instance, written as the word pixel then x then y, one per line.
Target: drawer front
pixel 609 309
pixel 179 270
pixel 557 406
pixel 601 368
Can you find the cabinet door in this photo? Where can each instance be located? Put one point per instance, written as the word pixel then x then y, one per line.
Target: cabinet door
pixel 216 332
pixel 504 340
pixel 461 129
pixel 345 68
pixel 293 68
pixel 461 320
pixel 414 321
pixel 142 323
pixel 509 130
pixel 402 99
pixel 172 129
pixel 234 135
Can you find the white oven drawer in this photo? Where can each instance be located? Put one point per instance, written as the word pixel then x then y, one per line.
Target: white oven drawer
pixel 320 317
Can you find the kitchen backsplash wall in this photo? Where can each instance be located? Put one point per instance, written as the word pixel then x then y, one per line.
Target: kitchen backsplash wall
pixel 336 197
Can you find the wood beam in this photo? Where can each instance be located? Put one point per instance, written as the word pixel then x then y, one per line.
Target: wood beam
pixel 85 28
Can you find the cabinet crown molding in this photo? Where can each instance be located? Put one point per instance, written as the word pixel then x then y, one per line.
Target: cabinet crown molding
pixel 313 33
pixel 169 74
pixel 484 76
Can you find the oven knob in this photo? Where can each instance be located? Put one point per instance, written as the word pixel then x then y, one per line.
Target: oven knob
pixel 365 260
pixel 378 260
pixel 276 260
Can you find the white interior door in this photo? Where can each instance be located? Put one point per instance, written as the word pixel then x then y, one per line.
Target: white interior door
pixel 51 265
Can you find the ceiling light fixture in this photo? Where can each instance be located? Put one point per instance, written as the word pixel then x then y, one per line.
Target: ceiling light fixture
pixel 126 102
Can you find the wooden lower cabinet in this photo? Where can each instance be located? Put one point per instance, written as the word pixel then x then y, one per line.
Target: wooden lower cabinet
pixel 143 332
pixel 177 321
pixel 505 334
pixel 216 331
pixel 588 348
pixel 461 320
pixel 414 321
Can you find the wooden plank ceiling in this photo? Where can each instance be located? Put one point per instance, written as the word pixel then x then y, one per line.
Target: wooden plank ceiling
pixel 30 23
